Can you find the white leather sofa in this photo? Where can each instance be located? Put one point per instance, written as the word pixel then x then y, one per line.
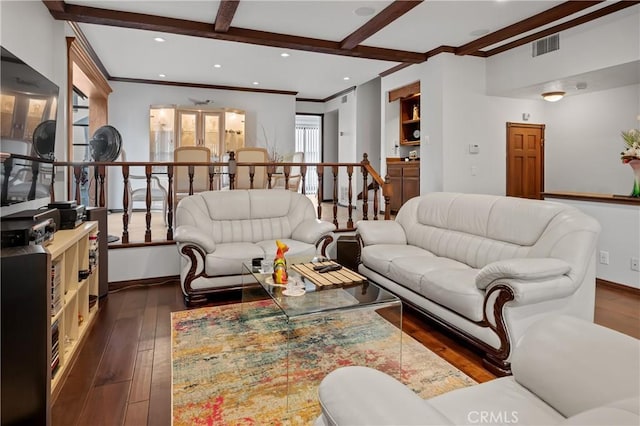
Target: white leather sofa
pixel 566 371
pixel 216 231
pixel 485 267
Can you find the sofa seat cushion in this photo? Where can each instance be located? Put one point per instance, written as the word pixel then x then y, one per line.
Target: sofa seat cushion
pixel 379 257
pixel 296 248
pixel 497 402
pixel 409 270
pixel 455 288
pixel 228 258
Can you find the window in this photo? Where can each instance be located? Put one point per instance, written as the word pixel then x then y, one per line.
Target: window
pixel 309 141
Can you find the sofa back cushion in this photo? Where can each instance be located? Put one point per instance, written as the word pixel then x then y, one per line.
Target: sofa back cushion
pixel 574 365
pixel 478 229
pixel 245 215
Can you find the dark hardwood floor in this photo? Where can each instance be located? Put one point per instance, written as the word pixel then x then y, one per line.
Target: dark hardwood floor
pixel 122 375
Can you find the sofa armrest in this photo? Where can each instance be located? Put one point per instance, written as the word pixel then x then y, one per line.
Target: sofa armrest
pixel 186 234
pixel 364 396
pixel 522 269
pixel 310 231
pixel 381 232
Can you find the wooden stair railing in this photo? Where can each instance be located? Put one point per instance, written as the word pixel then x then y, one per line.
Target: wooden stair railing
pixel 370 180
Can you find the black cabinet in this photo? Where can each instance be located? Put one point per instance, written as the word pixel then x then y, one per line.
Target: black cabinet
pixel 26 336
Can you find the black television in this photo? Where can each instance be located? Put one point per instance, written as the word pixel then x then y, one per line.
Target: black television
pixel 28 112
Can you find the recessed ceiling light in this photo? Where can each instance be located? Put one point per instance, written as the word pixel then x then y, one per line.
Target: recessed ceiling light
pixel 364 11
pixel 217 66
pixel 346 78
pixel 285 55
pixel 159 39
pixel 162 75
pixel 255 83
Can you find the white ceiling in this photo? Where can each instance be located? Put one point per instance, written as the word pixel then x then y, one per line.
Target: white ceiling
pixel 129 53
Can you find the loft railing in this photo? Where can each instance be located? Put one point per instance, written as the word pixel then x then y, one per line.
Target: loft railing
pixel 223 176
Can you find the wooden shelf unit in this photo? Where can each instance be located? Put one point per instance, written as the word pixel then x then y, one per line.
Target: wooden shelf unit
pixel 70 253
pixel 409 122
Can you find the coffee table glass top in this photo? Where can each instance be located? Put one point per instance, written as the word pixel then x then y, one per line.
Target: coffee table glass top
pixel 317 299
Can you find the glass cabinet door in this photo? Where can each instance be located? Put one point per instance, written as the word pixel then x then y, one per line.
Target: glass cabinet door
pixel 211 132
pixel 221 130
pixel 187 128
pixel 161 133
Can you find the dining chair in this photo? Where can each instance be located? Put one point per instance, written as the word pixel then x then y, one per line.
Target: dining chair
pixel 251 155
pixel 278 181
pixel 158 193
pixel 181 184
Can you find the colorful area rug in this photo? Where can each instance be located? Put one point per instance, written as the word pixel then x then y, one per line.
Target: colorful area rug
pixel 229 364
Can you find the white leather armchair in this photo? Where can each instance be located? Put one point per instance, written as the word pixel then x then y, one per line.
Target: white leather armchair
pixel 216 231
pixel 566 371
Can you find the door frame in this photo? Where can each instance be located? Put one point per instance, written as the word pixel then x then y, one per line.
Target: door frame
pixel 541 127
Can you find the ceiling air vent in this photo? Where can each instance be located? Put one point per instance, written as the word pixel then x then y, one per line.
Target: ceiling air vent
pixel 545 45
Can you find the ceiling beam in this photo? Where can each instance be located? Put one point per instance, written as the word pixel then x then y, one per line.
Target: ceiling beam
pixel 564 26
pixel 91 15
pixel 378 22
pixel 54 5
pixel 558 12
pixel 226 11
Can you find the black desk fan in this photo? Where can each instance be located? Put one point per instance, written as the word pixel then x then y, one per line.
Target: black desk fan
pixel 105 145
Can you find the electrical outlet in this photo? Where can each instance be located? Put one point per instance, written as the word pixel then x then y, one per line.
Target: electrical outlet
pixel 604 257
pixel 635 264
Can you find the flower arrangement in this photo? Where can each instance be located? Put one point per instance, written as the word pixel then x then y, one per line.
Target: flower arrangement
pixel 631 139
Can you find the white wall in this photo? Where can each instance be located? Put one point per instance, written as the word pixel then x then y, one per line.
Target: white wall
pixel 602 43
pixel 129 113
pixel 346 140
pixel 303 107
pixel 28 31
pixel 620 237
pixel 583 142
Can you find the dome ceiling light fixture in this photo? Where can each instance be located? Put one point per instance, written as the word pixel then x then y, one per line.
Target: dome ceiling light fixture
pixel 553 96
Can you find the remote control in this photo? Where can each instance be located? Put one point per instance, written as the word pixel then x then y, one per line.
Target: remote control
pixel 330 268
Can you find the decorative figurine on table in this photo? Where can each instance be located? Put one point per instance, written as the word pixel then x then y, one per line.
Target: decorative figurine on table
pixel 280 264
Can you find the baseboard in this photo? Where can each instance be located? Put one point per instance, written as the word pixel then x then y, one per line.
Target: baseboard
pixel 119 285
pixel 619 287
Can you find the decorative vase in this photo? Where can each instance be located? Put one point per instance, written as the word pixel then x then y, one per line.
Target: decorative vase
pixel 635 165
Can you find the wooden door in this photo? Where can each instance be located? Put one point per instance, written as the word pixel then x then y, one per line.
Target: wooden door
pixel 525 160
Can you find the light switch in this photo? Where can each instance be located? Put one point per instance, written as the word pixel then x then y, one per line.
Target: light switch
pixel 474 170
pixel 474 149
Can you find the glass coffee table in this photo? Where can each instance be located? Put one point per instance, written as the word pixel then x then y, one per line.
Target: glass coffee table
pixel 316 332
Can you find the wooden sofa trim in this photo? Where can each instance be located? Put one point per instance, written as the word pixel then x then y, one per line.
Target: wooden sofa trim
pixel 195 297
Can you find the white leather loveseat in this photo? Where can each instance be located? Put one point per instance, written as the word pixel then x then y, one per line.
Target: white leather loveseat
pixel 566 371
pixel 485 267
pixel 216 231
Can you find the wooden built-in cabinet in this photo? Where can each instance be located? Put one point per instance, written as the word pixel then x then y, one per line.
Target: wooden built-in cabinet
pixel 74 297
pixel 404 177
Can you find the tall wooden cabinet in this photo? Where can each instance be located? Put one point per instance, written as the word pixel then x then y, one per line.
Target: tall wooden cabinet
pixel 404 177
